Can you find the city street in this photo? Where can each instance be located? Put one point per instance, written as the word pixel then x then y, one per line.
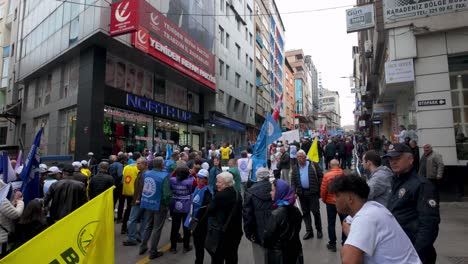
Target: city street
pixel 450 245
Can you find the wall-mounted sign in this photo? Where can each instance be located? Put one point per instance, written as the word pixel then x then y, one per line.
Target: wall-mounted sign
pixel 360 18
pixel 124 17
pixel 432 102
pixel 398 10
pixel 399 71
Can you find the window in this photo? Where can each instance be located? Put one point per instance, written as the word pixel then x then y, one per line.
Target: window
pixel 247 60
pixel 221 35
pixel 258 54
pixel 227 72
pixel 2 10
pixel 249 12
pixel 221 5
pixel 3 135
pixel 6 68
pixel 250 39
pixel 246 86
pixel 67 130
pixel 237 80
pixel 227 40
pixel 238 51
pixel 246 34
pixel 458 68
pixel 238 24
pixel 6 51
pixel 251 64
pixel 221 67
pixel 251 90
pixel 227 9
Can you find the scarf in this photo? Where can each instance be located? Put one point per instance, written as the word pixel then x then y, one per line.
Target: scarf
pixel 284 194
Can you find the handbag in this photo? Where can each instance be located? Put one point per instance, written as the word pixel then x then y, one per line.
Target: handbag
pixel 193 224
pixel 216 232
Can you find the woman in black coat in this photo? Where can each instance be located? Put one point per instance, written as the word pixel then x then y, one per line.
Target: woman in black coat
pixel 281 237
pixel 226 201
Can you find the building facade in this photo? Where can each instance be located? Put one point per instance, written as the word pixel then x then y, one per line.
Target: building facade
pixel 413 67
pixel 289 97
pixel 93 92
pixel 330 116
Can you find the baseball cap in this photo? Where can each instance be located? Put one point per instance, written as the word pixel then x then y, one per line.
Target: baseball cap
pixel 54 170
pixel 90 154
pixel 76 164
pixel 130 154
pixel 42 168
pixel 84 163
pixel 395 150
pixel 203 174
pixel 186 148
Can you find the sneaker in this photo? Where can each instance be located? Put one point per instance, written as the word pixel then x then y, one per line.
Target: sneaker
pixel 331 247
pixel 130 243
pixel 187 249
pixel 319 234
pixel 157 255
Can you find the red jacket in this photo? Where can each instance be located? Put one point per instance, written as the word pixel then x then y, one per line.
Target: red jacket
pixel 327 178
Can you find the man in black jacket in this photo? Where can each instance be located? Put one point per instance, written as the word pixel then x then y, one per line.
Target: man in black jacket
pixel 256 212
pixel 101 181
pixel 330 153
pixel 285 165
pixel 414 201
pixel 306 179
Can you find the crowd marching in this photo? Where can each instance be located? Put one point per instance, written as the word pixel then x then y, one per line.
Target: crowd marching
pixel 389 210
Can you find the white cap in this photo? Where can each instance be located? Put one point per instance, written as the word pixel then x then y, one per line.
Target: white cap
pixel 42 168
pixel 90 154
pixel 120 153
pixel 205 166
pixel 84 163
pixel 76 164
pixel 203 174
pixel 54 170
pixel 130 154
pixel 186 148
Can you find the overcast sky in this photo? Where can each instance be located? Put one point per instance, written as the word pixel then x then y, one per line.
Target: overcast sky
pixel 323 35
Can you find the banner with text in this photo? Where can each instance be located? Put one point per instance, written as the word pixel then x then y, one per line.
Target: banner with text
pixel 398 10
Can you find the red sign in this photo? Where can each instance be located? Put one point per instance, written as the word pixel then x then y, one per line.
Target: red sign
pixel 124 17
pixel 140 39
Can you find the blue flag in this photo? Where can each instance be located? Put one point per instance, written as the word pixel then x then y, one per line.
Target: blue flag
pixel 30 173
pixel 3 167
pixel 168 151
pixel 268 134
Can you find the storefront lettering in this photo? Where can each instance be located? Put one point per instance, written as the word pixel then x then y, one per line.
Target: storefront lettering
pixel 154 107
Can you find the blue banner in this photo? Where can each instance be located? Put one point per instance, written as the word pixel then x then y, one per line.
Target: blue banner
pixel 30 173
pixel 168 151
pixel 4 166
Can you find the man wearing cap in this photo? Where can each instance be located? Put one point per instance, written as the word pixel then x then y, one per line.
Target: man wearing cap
pixel 201 197
pixel 65 195
pixel 101 181
pixel 53 174
pixel 256 212
pixel 77 175
pixel 84 168
pixel 42 176
pixel 414 202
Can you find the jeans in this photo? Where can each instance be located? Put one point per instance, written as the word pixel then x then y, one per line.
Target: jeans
pixel 321 163
pixel 177 220
pixel 136 214
pixel 126 214
pixel 153 229
pixel 342 158
pixel 309 203
pixel 331 219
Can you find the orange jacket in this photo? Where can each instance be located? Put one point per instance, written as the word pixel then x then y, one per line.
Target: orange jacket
pixel 327 178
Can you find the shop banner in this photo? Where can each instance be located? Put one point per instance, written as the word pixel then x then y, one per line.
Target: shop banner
pixel 360 18
pixel 399 71
pixel 140 39
pixel 124 17
pixel 399 10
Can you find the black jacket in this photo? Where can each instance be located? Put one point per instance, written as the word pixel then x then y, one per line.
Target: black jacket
pixel 219 209
pixel 415 204
pixel 285 162
pixel 340 148
pixel 99 183
pixel 66 196
pixel 315 179
pixel 78 176
pixel 306 146
pixel 257 210
pixel 281 236
pixel 330 150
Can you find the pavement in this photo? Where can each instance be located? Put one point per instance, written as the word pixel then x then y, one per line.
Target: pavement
pixel 450 245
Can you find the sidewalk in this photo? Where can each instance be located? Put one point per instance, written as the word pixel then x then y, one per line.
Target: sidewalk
pixel 451 245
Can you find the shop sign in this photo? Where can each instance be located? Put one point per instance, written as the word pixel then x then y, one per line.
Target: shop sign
pixel 360 18
pixel 397 10
pixel 399 71
pixel 124 17
pixel 153 107
pixel 432 102
pixel 227 123
pixel 384 108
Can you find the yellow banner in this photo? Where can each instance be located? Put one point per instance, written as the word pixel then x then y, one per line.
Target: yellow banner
pixel 84 236
pixel 313 154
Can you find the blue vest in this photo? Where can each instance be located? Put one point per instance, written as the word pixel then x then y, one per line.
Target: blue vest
pixel 167 164
pixel 197 198
pixel 152 189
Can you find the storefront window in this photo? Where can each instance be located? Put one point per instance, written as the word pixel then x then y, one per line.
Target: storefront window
pixel 125 76
pixel 68 131
pixel 125 131
pixel 459 85
pixel 70 78
pixel 38 123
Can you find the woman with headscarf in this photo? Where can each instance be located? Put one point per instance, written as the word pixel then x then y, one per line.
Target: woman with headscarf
pixel 281 236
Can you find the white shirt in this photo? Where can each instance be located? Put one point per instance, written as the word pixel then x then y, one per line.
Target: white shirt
pixel 244 165
pixel 376 232
pixel 401 136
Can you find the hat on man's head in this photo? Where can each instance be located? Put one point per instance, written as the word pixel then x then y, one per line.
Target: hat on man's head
pixel 395 150
pixel 84 163
pixel 76 164
pixel 42 168
pixel 90 154
pixel 54 170
pixel 203 174
pixel 262 173
pixel 186 148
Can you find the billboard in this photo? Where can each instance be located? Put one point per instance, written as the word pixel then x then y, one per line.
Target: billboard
pixel 398 10
pixel 360 18
pixel 179 33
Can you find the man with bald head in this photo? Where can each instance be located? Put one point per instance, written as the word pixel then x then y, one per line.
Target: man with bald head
pixel 329 200
pixel 101 181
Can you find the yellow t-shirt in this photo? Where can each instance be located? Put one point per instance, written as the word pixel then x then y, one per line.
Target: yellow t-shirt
pixel 130 173
pixel 224 152
pixel 86 172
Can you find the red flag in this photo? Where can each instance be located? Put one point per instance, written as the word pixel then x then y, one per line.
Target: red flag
pixel 277 108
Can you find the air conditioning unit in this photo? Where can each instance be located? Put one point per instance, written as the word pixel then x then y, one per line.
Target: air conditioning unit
pixel 368 49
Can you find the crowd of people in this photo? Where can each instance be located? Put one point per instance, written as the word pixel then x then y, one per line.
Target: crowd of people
pixel 389 216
